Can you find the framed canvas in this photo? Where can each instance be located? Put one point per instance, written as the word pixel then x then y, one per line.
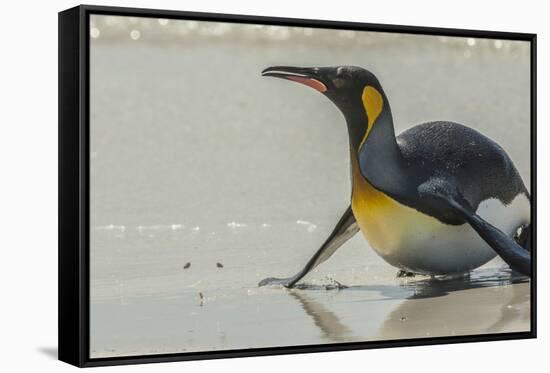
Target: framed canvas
pixel 236 186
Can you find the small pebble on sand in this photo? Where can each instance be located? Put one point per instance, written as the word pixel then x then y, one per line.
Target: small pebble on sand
pixel 201 297
pixel 219 265
pixel 187 265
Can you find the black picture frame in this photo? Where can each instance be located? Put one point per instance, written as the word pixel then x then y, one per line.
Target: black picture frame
pixel 74 184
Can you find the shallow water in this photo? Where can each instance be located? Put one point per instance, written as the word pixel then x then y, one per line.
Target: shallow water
pixel 197 159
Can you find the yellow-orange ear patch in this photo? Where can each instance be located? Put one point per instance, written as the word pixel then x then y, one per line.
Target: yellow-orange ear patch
pixel 373 104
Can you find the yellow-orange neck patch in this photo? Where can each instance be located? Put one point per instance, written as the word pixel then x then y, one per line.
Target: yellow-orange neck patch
pixel 373 104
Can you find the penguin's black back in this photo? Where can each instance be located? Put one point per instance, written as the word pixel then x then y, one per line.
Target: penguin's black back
pixel 477 165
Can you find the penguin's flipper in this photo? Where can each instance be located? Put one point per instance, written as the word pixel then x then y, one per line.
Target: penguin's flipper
pixel 343 231
pixel 517 257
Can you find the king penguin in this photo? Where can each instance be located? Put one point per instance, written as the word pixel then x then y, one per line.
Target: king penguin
pixel 438 199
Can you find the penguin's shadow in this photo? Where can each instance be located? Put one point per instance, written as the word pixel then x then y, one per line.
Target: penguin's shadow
pixel 434 287
pixel 333 329
pixel 431 287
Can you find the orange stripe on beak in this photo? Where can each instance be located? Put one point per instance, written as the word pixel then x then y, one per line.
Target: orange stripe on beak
pixel 310 82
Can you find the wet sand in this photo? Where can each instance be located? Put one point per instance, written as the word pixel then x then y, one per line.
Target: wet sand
pixel 150 304
pixel 197 159
pixel 274 317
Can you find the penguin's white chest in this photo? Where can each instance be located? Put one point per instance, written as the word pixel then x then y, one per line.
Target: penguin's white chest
pixel 411 240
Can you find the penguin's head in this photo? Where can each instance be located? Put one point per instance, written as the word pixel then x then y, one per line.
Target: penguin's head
pixel 354 90
pixel 345 86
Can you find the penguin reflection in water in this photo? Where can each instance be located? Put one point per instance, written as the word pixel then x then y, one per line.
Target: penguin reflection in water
pixel 438 199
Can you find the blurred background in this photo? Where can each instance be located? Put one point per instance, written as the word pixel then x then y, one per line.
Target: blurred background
pixel 195 158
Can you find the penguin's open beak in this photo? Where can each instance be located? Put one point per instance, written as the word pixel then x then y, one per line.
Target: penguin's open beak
pixel 305 75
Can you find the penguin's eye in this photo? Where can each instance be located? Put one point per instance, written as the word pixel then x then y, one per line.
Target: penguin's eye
pixel 338 82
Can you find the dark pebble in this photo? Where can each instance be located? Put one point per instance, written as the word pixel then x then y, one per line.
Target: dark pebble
pixel 187 265
pixel 219 265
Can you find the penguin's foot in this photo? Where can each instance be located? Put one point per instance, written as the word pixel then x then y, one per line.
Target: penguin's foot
pixel 402 273
pixel 523 236
pixel 272 281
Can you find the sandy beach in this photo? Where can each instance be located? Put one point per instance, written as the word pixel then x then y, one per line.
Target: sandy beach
pixel 155 305
pixel 195 158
